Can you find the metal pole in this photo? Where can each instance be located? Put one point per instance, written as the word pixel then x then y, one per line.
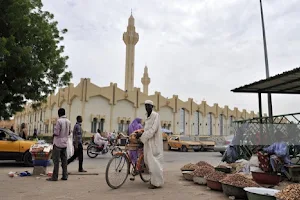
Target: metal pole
pixel 260 107
pixel 266 62
pixel 261 130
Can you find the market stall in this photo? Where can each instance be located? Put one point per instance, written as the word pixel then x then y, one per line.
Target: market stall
pixel 257 158
pixel 237 182
pixel 41 155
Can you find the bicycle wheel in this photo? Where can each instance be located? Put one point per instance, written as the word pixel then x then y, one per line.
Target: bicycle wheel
pixel 144 172
pixel 119 167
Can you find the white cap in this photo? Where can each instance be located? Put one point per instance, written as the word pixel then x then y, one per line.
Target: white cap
pixel 149 102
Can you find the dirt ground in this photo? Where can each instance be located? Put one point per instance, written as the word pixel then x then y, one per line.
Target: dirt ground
pixel 92 187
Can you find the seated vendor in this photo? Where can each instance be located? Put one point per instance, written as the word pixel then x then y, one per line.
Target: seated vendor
pixel 279 153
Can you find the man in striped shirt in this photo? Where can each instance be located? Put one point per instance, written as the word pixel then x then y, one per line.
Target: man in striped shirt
pixel 62 130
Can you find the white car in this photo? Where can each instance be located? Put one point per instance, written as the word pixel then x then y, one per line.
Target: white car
pixel 221 147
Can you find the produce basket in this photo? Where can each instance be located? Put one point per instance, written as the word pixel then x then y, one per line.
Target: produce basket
pixel 214 185
pixel 199 180
pixel 187 175
pixel 254 193
pixel 237 192
pixel 266 178
pixel 189 167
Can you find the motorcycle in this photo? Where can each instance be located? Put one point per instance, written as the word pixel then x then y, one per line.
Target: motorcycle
pixel 93 150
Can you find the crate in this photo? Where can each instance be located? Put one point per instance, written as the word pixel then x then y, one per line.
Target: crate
pixel 43 163
pixel 41 155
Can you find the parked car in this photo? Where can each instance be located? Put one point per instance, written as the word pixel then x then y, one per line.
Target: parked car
pixel 206 144
pixel 221 147
pixel 185 143
pixel 13 147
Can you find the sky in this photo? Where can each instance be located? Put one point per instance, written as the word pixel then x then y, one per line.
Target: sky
pixel 198 49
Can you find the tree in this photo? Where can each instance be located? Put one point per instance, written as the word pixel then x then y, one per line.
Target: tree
pixel 32 64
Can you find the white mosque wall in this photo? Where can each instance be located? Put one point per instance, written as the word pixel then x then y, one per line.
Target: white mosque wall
pixel 76 109
pixel 123 114
pixel 97 107
pixel 117 106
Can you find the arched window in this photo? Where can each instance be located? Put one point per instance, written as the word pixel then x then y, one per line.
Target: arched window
pixel 182 121
pixel 164 126
pixel 101 125
pixel 126 127
pixel 209 123
pixel 46 128
pixel 41 115
pixel 196 123
pixel 94 125
pixel 221 124
pixel 121 126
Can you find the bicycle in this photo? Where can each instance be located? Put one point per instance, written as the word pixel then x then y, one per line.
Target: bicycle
pixel 123 160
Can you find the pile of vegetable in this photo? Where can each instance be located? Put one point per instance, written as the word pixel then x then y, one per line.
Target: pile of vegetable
pixel 189 167
pixel 290 192
pixel 238 180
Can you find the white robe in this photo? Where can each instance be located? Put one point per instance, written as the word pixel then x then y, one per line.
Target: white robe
pixel 153 148
pixel 70 147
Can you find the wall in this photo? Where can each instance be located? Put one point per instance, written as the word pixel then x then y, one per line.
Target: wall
pixel 114 104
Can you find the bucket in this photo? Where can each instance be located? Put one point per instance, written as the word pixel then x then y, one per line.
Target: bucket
pixel 237 192
pixel 199 180
pixel 187 175
pixel 255 193
pixel 266 178
pixel 214 185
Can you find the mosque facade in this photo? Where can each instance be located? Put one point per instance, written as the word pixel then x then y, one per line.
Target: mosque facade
pixel 111 108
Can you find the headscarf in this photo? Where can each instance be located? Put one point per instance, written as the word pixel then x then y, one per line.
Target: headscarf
pixel 135 125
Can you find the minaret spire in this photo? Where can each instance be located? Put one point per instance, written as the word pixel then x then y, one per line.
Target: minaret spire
pixel 130 38
pixel 145 81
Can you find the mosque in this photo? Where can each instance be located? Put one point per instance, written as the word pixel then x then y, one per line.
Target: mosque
pixel 111 108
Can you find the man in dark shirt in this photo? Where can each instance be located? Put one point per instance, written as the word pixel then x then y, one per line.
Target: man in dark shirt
pixel 77 142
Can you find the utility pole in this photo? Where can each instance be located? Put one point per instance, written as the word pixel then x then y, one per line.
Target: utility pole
pixel 266 62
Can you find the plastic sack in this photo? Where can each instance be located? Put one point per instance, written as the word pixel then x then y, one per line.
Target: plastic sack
pixel 70 147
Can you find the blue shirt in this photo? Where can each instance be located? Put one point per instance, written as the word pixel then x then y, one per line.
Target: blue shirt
pixel 77 134
pixel 281 150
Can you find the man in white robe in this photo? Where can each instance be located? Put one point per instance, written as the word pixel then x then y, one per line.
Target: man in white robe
pixel 153 146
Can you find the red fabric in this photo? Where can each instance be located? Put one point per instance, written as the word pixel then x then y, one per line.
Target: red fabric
pixel 264 162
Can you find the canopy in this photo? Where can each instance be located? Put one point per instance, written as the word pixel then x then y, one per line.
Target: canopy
pixel 285 83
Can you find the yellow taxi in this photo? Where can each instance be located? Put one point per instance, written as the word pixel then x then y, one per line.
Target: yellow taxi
pixel 13 147
pixel 183 143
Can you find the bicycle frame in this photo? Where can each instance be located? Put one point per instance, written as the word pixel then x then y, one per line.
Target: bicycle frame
pixel 136 167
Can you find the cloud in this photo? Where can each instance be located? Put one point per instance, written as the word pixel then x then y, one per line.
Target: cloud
pixel 198 48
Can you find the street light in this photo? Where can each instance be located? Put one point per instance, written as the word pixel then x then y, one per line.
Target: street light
pixel 266 63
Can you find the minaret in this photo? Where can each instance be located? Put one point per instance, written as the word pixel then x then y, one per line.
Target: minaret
pixel 130 38
pixel 145 80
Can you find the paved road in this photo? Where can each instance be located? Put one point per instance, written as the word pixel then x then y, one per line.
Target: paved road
pixel 173 161
pixel 94 187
